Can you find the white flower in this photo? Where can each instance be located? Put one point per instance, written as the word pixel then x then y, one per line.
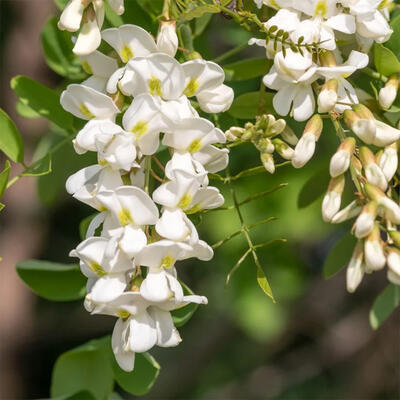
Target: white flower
pixel 105 265
pixel 388 161
pixel 85 184
pixel 87 103
pixel 350 211
pixel 333 198
pixel 345 91
pixel 374 256
pixel 328 96
pixel 366 220
pixel 393 261
pixel 340 161
pixel 304 150
pixel 204 79
pixel 355 269
pixel 292 76
pixel 167 40
pixel 193 134
pixel 130 41
pixel 388 94
pixel 145 121
pixel 212 158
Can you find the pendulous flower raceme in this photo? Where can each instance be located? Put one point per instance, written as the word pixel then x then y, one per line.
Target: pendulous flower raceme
pixel 310 73
pixel 136 106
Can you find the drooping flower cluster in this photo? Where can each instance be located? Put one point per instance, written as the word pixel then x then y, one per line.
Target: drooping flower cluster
pixel 132 245
pixel 309 73
pixel 294 74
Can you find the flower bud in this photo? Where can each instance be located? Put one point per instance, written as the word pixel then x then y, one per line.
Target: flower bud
pixel 355 269
pixel 365 222
pixel 388 94
pixel 327 59
pixel 333 198
pixel 328 96
pixel 363 112
pixel 388 161
pixel 364 128
pixel 283 149
pixel 374 257
pixel 268 162
pixel 289 136
pixel 305 147
pixel 391 210
pixel 356 164
pixel 234 133
pixel 264 145
pixel 167 40
pixel 373 173
pixel 393 261
pixel 395 236
pixel 340 161
pixel 350 211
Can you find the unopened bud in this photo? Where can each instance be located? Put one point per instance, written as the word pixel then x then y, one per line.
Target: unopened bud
pixel 391 210
pixel 283 149
pixel 365 222
pixel 167 40
pixel 314 126
pixel 373 250
pixel 264 145
pixel 350 211
pixel 355 269
pixel 333 198
pixel 289 136
pixel 373 173
pixel 363 112
pixel 234 133
pixel 327 59
pixel 340 161
pixel 388 94
pixel 393 261
pixel 328 96
pixel 388 161
pixel 268 162
pixel 395 236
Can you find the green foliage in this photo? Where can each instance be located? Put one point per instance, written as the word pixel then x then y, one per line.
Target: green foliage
pixel 57 49
pixel 40 167
pixel 339 256
pixel 81 395
pixel 386 62
pixel 10 139
pixel 92 367
pixel 263 282
pixel 313 188
pixel 247 69
pixel 43 100
pixel 141 379
pixel 182 315
pixel 394 42
pixel 4 177
pixel 85 368
pixel 384 305
pixel 249 105
pixel 53 281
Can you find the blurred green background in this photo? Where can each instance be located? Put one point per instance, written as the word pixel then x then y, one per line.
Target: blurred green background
pixel 315 342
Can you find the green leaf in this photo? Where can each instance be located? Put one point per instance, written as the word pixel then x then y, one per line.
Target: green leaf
pixel 112 17
pixel 187 37
pixel 4 175
pixel 10 139
pixel 57 49
pixel 26 112
pixel 200 24
pixel 263 283
pixel 43 100
pixel 249 105
pixel 82 395
pixel 182 315
pixel 313 189
pixel 247 69
pixel 53 281
pixel 137 15
pixel 386 62
pixel 339 256
pixel 394 41
pixel 86 368
pixel 40 167
pixel 384 305
pixel 141 379
pixel 199 11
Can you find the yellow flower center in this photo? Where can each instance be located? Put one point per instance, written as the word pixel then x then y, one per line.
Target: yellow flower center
pixel 126 53
pixel 155 86
pixel 185 201
pixel 191 88
pixel 140 128
pixel 97 269
pixel 85 111
pixel 125 217
pixel 321 8
pixel 167 261
pixel 194 146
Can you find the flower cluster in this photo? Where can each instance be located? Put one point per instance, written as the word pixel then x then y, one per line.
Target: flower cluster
pixel 295 73
pixel 132 245
pixel 306 78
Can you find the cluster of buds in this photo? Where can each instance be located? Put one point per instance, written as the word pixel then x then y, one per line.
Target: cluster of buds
pixel 376 206
pixel 268 135
pixel 132 105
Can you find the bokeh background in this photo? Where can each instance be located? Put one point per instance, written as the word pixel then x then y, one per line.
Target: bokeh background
pixel 314 343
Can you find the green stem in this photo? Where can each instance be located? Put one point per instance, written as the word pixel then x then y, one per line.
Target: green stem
pixel 373 74
pixel 230 53
pixel 166 7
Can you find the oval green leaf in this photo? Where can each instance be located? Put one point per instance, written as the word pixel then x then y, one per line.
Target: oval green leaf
pixel 386 62
pixel 384 305
pixel 313 189
pixel 10 139
pixel 249 105
pixel 4 177
pixel 53 281
pixel 247 69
